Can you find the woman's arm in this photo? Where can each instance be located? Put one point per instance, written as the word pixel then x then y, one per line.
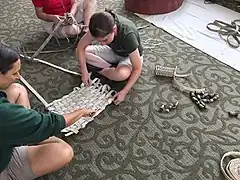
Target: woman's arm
pixel 46 17
pixel 81 56
pixel 72 117
pixel 135 73
pixel 74 7
pixel 136 61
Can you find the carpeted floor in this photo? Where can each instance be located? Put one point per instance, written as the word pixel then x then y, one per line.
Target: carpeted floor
pixel 133 140
pixel 232 4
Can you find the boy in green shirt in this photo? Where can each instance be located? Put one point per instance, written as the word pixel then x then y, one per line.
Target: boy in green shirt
pixel 21 126
pixel 120 45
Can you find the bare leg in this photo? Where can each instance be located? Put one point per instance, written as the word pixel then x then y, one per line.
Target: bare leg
pixel 50 155
pixel 71 30
pixel 17 94
pixel 120 73
pixel 52 139
pixel 95 60
pixel 89 8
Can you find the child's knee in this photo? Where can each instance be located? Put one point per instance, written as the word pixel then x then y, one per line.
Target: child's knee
pixel 90 49
pixel 66 152
pixel 91 4
pixel 123 73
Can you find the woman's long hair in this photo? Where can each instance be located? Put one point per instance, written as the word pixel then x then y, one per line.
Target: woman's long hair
pixel 102 23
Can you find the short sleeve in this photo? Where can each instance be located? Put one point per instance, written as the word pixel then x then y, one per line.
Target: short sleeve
pixel 22 126
pixel 37 3
pixel 130 43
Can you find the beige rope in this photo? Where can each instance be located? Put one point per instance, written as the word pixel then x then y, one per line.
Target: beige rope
pixel 48 39
pixel 68 19
pixel 50 64
pixel 33 91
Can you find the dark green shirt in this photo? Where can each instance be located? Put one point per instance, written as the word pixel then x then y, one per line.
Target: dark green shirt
pixel 21 126
pixel 127 39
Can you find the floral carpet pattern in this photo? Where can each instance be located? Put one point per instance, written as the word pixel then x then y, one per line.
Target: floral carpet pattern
pixel 133 141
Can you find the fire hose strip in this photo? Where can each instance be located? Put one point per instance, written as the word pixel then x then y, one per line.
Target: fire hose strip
pixel 95 97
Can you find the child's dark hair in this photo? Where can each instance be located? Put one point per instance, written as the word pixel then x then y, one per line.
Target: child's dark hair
pixel 7 58
pixel 102 23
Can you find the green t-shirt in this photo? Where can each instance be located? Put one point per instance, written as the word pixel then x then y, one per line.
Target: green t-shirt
pixel 127 39
pixel 21 126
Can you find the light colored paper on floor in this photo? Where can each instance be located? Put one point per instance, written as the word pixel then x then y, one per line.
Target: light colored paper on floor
pixel 189 22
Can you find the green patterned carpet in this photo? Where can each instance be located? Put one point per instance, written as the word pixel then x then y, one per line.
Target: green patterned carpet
pixel 232 4
pixel 134 141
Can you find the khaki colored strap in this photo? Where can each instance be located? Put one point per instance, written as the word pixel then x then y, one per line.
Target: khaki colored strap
pixel 28 58
pixel 33 91
pixel 48 39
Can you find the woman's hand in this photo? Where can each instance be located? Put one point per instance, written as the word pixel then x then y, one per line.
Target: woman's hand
pixel 86 79
pixel 119 97
pixel 57 18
